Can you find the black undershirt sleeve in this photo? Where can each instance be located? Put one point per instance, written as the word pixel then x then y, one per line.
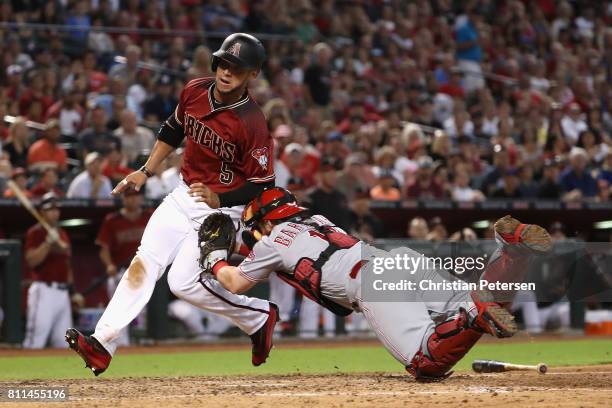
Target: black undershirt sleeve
pixel 242 195
pixel 171 132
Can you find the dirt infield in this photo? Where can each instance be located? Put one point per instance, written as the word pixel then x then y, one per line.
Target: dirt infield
pixel 589 386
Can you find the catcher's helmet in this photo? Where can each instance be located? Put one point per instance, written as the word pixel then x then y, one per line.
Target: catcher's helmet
pixel 241 49
pixel 274 203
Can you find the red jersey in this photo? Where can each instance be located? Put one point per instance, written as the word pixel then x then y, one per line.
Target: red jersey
pixel 122 236
pixel 56 265
pixel 226 146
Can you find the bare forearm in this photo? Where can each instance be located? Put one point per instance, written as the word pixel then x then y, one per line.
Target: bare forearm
pixel 160 151
pixel 105 256
pixel 229 277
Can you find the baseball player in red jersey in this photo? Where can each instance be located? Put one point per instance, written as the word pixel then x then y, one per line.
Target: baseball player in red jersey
pixel 324 263
pixel 227 161
pixel 48 296
pixel 118 238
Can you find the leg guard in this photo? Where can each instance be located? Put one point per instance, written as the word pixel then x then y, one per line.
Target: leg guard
pixel 449 342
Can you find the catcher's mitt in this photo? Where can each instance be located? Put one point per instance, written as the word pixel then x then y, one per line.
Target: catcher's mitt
pixel 216 239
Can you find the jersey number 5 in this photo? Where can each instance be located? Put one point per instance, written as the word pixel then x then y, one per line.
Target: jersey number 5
pixel 227 175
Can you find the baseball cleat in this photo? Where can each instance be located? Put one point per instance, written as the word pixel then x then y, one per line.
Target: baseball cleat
pixel 512 231
pixel 91 351
pixel 495 320
pixel 262 338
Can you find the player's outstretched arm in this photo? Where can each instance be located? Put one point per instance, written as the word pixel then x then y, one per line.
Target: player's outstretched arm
pixel 230 278
pixel 138 178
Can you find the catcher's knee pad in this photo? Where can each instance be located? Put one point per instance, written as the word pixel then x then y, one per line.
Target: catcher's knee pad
pixel 449 342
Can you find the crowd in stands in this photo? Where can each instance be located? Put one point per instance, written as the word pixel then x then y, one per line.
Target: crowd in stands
pixel 366 99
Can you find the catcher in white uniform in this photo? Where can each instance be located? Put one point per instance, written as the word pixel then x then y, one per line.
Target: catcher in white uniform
pixel 324 263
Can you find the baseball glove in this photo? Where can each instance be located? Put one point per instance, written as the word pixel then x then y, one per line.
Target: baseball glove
pixel 216 239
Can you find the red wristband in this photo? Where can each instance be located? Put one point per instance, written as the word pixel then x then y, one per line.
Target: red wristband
pixel 217 266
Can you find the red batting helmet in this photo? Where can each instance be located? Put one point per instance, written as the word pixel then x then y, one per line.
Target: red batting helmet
pixel 274 203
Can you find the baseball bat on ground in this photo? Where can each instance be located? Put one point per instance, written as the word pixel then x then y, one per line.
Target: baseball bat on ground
pixel 492 366
pixel 25 201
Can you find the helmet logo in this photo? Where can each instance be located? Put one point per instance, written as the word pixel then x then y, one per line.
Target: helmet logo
pixel 234 49
pixel 261 155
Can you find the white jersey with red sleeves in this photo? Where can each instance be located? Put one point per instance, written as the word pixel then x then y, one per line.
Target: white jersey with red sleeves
pixel 291 241
pixel 225 146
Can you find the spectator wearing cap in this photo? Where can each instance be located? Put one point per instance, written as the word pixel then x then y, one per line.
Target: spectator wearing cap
pixel 97 137
pixel 576 181
pixel 386 188
pixel 135 140
pixel 18 142
pixel 300 162
pixel 20 177
pixel 46 152
pixel 90 183
pixel 161 104
pixel 326 199
pixel 424 186
pixel 69 113
pixel 366 225
pixel 317 78
pixel 573 123
pixel 334 146
pixel 47 183
pixel 511 186
pixel 14 85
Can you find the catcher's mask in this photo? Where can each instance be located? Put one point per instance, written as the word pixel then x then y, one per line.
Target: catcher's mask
pixel 272 204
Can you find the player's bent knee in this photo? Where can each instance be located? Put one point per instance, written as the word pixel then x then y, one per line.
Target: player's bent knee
pixel 137 272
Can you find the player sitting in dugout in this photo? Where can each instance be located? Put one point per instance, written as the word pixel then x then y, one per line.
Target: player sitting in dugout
pixel 324 263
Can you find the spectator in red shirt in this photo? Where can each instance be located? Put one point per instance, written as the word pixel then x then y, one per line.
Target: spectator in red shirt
pixel 47 183
pixel 112 167
pixel 424 186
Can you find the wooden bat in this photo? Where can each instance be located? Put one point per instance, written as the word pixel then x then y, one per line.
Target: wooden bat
pixel 25 201
pixel 492 366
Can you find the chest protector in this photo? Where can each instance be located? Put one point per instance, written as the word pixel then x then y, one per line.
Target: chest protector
pixel 306 276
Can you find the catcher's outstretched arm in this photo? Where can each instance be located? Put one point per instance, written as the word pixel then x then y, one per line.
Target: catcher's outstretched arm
pixel 230 278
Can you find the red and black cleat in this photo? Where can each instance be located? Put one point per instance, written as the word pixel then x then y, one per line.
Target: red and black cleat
pixel 512 232
pixel 492 318
pixel 95 356
pixel 262 338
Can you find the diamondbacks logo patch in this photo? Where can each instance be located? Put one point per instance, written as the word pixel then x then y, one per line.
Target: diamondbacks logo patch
pixel 234 49
pixel 261 155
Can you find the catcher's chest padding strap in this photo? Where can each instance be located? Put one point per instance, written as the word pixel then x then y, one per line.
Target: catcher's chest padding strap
pixel 307 273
